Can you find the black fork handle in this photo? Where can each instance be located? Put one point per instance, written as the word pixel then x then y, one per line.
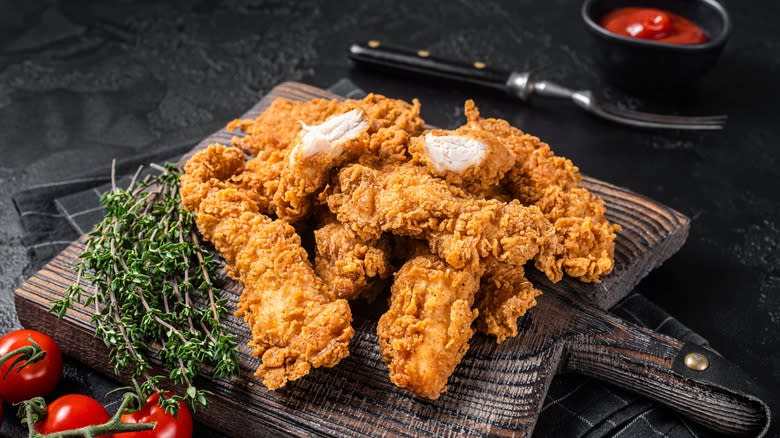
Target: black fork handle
pixel 423 62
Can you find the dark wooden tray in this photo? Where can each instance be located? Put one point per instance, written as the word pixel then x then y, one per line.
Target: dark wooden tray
pixel 497 390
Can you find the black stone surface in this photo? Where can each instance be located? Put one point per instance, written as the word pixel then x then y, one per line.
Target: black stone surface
pixel 82 82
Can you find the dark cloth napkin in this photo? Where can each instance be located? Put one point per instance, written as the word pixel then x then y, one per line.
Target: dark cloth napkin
pixel 55 214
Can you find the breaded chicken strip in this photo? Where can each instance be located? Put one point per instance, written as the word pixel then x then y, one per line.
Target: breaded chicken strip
pixel 218 167
pixel 469 157
pixel 296 322
pixel 339 139
pixel 317 150
pixel 473 158
pixel 405 200
pixel 207 171
pixel 298 143
pixel 350 266
pixel 584 244
pixel 504 296
pixel 276 128
pixel 425 333
pixel 586 239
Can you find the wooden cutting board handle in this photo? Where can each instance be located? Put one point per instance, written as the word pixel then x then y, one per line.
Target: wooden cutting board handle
pixel 688 378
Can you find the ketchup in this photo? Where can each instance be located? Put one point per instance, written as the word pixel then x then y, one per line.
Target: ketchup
pixel 653 24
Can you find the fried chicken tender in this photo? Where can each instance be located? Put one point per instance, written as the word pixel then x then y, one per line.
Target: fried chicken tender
pixel 296 321
pixel 350 266
pixel 405 200
pixel 504 296
pixel 298 143
pixel 276 128
pixel 208 171
pixel 425 333
pixel 586 248
pixel 470 157
pixel 462 210
pixel 584 244
pixel 218 167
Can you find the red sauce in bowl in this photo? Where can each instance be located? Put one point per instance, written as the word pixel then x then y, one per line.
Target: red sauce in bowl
pixel 653 24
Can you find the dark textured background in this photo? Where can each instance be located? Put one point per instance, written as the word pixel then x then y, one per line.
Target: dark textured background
pixel 82 82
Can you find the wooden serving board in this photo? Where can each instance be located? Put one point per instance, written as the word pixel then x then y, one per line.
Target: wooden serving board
pixel 496 390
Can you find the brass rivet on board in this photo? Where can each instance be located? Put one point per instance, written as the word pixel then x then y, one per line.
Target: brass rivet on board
pixel 374 44
pixel 480 65
pixel 423 53
pixel 696 361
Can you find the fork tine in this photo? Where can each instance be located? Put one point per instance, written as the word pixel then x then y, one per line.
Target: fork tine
pixel 584 99
pixel 657 120
pixel 647 123
pixel 662 118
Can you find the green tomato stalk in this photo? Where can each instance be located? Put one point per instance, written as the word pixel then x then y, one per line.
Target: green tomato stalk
pixel 27 355
pixel 33 410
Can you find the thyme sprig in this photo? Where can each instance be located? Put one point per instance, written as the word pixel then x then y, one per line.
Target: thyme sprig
pixel 151 289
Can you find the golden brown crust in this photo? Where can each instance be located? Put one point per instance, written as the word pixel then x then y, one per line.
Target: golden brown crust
pixel 463 236
pixel 296 322
pixel 405 200
pixel 478 179
pixel 208 170
pixel 504 296
pixel 272 136
pixel 425 333
pixel 584 245
pixel 350 266
pixel 541 169
pixel 276 128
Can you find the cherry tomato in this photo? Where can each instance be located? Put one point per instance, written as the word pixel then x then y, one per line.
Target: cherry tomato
pixel 72 411
pixel 168 426
pixel 34 380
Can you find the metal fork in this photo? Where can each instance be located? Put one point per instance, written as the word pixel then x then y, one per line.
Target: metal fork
pixel 521 85
pixel 422 62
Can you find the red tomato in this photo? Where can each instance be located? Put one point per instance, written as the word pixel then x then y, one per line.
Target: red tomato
pixel 34 380
pixel 72 411
pixel 167 425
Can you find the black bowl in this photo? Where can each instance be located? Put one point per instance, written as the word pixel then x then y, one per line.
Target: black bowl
pixel 644 65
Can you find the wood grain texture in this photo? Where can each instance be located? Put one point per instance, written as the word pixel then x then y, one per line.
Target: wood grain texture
pixel 497 390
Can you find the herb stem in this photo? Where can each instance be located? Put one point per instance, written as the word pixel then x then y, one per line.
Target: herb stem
pixel 153 300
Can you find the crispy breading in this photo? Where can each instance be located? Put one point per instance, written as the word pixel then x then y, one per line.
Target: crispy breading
pixel 585 247
pixel 540 169
pixel 218 167
pixel 208 170
pixel 406 200
pixel 276 128
pixel 350 266
pixel 489 158
pixel 425 332
pixel 462 210
pixel 504 296
pixel 277 132
pixel 584 244
pixel 296 321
